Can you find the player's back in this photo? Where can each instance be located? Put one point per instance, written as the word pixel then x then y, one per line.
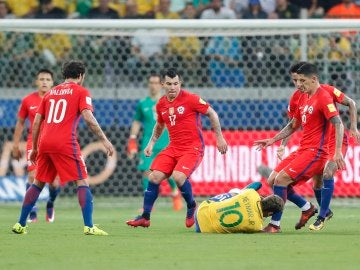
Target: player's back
pixel 241 213
pixel 61 108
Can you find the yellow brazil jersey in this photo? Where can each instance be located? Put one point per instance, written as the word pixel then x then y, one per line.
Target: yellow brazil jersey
pixel 241 213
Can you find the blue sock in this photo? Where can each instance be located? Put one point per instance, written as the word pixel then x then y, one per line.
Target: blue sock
pixel 150 196
pixel 186 192
pixel 86 203
pixel 317 192
pixel 326 195
pixel 31 196
pixel 292 196
pixel 27 185
pixel 53 192
pixel 282 193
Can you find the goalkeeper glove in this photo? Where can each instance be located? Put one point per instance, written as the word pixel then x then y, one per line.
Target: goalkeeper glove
pixel 132 148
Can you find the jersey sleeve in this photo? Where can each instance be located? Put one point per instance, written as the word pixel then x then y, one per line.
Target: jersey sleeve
pixel 335 93
pixel 198 104
pixel 293 103
pixel 159 118
pixel 85 101
pixel 23 110
pixel 41 109
pixel 327 106
pixel 138 113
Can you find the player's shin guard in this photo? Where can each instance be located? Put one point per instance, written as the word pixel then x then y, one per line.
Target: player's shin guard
pixel 53 193
pixel 31 196
pixel 295 198
pixel 326 194
pixel 281 191
pixel 86 203
pixel 150 196
pixel 186 192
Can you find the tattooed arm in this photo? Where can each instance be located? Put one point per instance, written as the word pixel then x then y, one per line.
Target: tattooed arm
pixel 353 117
pixel 93 124
pixel 339 133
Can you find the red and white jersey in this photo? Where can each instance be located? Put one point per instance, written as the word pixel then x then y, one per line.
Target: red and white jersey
pixel 313 113
pixel 28 108
pixel 61 108
pixel 183 120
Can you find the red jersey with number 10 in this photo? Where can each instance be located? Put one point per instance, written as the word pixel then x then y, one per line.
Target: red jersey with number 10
pixel 183 120
pixel 61 108
pixel 313 113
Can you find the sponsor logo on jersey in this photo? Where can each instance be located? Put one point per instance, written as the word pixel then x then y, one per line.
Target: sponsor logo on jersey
pixel 331 107
pixel 88 100
pixel 337 92
pixel 33 107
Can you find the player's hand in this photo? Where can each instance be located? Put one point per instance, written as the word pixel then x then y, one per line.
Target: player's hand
pixel 132 148
pixel 261 144
pixel 33 156
pixel 355 134
pixel 280 152
pixel 221 145
pixel 148 150
pixel 109 147
pixel 339 160
pixel 16 153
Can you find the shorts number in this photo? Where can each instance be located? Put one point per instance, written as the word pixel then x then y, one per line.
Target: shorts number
pixel 172 119
pixel 55 115
pixel 230 210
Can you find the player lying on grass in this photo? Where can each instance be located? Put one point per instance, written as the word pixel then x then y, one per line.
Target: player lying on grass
pixel 236 211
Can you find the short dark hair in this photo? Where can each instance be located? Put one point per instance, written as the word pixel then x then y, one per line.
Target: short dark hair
pixel 272 203
pixel 45 70
pixel 73 69
pixel 294 68
pixel 171 73
pixel 307 70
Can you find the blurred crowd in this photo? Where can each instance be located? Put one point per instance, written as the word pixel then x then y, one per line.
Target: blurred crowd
pixel 179 9
pixel 218 61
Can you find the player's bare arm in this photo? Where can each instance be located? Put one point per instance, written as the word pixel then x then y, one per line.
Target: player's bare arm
pixel 215 124
pixel 35 137
pixel 284 133
pixel 16 154
pixel 93 124
pixel 157 131
pixel 281 150
pixel 339 133
pixel 353 117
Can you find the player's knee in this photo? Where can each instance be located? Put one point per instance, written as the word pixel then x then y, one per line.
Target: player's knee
pixel 271 179
pixel 155 178
pixel 282 180
pixel 179 178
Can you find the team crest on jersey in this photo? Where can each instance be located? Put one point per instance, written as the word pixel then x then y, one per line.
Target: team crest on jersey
pixel 171 110
pixel 181 110
pixel 311 109
pixel 331 107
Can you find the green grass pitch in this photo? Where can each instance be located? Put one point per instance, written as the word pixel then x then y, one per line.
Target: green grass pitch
pixel 167 244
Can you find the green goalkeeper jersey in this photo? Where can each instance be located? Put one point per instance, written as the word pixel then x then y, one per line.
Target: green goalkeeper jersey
pixel 146 114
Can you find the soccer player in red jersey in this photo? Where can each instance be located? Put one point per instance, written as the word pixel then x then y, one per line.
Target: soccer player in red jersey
pixel 30 103
pixel 58 152
pixel 178 110
pixel 316 112
pixel 309 210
